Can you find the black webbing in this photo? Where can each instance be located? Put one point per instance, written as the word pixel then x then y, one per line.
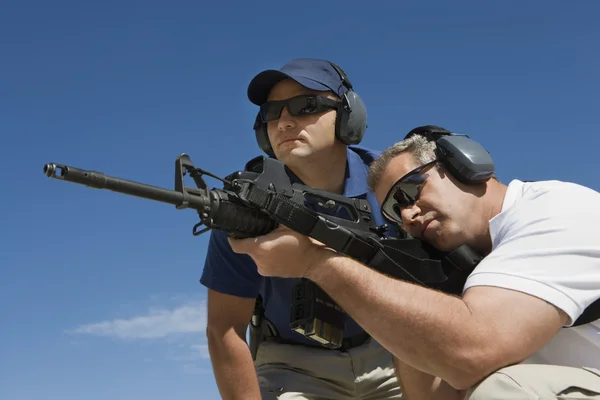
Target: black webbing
pixel 404 259
pixel 399 264
pixel 308 222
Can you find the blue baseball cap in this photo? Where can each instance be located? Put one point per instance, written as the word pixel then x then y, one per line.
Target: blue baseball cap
pixel 311 73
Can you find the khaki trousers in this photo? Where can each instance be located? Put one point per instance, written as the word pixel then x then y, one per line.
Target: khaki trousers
pixel 536 381
pixel 297 372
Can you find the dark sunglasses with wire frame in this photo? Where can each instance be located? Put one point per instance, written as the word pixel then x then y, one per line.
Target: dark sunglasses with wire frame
pixel 404 193
pixel 297 106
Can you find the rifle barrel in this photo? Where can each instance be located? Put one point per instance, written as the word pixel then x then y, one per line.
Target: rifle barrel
pixel 99 180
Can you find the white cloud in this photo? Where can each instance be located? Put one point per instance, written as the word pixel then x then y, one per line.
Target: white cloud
pixel 157 323
pixel 201 350
pixel 189 352
pixel 181 328
pixel 193 369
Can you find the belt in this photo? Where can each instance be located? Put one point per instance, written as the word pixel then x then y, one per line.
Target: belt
pixel 347 343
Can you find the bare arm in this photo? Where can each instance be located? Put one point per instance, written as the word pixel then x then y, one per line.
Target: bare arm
pixel 417 385
pixel 228 318
pixel 459 340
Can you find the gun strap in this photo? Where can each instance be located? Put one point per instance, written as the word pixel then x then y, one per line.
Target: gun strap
pixel 404 259
pixel 414 266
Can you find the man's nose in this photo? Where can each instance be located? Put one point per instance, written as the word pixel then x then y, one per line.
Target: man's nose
pixel 409 216
pixel 286 121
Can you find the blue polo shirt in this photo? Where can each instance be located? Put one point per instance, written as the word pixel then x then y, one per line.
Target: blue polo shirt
pixel 236 274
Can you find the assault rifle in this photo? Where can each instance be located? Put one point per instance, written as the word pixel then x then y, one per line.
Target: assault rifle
pixel 256 200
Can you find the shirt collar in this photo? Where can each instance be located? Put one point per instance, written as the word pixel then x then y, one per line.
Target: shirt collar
pixel 513 192
pixel 355 181
pixel 357 172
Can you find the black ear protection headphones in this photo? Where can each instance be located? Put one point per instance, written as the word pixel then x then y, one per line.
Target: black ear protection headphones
pixel 464 158
pixel 350 123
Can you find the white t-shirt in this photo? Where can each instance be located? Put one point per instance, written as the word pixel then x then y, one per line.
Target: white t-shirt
pixel 546 242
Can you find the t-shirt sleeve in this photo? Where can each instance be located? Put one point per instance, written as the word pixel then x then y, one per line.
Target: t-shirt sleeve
pixel 547 246
pixel 228 272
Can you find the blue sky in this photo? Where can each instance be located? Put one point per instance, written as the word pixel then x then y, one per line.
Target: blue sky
pixel 99 292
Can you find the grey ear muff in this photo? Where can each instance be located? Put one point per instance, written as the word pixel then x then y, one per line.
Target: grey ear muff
pixel 262 138
pixel 465 158
pixel 351 122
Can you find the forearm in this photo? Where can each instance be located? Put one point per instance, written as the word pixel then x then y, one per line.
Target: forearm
pixel 417 385
pixel 233 367
pixel 429 330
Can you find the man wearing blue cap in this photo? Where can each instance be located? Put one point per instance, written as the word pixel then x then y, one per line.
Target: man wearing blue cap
pixel 312 120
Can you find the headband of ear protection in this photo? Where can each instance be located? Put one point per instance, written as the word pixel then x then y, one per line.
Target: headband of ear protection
pixel 350 123
pixel 464 158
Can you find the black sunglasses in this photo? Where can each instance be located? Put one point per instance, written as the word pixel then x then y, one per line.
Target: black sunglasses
pixel 297 106
pixel 405 192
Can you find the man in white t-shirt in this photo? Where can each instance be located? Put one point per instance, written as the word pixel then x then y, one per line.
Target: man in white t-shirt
pixel 510 335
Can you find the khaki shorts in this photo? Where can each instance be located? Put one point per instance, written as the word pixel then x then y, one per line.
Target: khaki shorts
pixel 536 381
pixel 298 372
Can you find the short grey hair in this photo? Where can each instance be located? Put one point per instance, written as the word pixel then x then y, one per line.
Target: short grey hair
pixel 422 149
